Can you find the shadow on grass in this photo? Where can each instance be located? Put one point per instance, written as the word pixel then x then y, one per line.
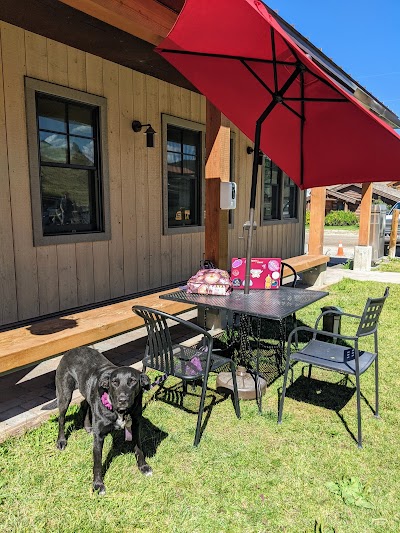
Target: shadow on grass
pixel 332 396
pixel 189 401
pixel 151 438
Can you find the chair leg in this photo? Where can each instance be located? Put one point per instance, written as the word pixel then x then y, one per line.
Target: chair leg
pixel 201 409
pixel 258 392
pixel 283 390
pixel 184 387
pixel 296 336
pixel 235 390
pixel 376 389
pixel 359 436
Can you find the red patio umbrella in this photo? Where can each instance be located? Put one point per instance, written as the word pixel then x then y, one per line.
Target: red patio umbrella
pixel 238 55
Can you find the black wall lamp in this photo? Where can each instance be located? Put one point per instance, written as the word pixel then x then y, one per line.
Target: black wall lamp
pixel 137 126
pixel 250 150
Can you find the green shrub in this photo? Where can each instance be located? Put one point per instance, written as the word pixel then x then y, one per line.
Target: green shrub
pixel 341 218
pixel 308 218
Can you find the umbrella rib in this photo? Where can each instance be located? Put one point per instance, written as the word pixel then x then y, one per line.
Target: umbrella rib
pixel 258 78
pixel 292 110
pixel 227 56
pixel 274 59
pixel 316 99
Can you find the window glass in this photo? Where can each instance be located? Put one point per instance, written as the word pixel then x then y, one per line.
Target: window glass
pixel 51 114
pixel 289 198
pixel 81 151
pixel 53 147
pixel 80 120
pixel 184 177
pixel 67 200
pixel 280 194
pixel 272 190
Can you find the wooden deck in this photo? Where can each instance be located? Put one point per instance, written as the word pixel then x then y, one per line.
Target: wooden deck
pixel 46 338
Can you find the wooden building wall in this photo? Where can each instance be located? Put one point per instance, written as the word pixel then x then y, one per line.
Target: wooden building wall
pixel 36 281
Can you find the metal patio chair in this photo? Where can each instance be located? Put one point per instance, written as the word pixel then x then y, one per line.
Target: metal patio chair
pixel 185 362
pixel 344 357
pixel 294 273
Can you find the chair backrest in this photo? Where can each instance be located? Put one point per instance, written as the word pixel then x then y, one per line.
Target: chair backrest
pixel 159 344
pixel 283 265
pixel 369 319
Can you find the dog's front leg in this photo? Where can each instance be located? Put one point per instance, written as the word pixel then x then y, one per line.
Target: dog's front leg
pixel 144 468
pixel 98 484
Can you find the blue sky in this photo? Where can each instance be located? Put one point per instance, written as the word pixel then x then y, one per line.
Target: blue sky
pixel 361 36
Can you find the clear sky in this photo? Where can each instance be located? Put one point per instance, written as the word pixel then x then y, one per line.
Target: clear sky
pixel 361 36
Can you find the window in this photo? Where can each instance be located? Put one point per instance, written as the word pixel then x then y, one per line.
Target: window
pixel 183 175
pixel 68 172
pixel 231 172
pixel 280 194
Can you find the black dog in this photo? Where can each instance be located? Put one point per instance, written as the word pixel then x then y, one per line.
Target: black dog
pixel 113 401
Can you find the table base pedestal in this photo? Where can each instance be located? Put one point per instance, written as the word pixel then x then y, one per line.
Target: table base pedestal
pixel 245 382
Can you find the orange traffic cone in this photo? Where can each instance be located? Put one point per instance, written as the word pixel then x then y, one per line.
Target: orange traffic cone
pixel 340 251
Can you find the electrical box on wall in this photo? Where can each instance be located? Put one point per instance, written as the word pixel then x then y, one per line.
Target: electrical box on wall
pixel 228 195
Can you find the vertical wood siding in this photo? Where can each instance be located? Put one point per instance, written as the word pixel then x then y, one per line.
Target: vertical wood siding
pixel 36 281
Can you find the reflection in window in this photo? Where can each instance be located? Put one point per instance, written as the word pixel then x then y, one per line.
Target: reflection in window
pixel 184 176
pixel 280 194
pixel 68 135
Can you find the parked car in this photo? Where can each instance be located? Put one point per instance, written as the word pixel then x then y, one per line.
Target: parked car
pixel 388 226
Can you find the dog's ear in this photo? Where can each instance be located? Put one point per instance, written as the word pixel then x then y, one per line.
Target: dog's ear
pixel 104 381
pixel 145 381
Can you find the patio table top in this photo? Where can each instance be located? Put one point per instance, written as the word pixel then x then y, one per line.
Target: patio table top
pixel 274 304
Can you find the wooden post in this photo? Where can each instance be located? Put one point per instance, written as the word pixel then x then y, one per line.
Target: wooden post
pixel 393 234
pixel 217 170
pixel 365 214
pixel 317 220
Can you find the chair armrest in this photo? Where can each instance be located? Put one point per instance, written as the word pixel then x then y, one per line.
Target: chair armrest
pixel 336 311
pixel 316 332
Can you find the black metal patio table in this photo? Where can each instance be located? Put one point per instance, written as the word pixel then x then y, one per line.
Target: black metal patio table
pixel 269 304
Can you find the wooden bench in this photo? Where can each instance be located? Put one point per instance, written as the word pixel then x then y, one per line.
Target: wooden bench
pixel 312 267
pixel 46 338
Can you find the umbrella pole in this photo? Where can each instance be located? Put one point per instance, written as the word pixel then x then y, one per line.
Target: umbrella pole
pixel 256 153
pixel 248 252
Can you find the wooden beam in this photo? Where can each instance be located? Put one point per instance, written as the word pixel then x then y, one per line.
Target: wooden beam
pixel 365 214
pixel 146 19
pixel 393 234
pixel 317 221
pixel 217 170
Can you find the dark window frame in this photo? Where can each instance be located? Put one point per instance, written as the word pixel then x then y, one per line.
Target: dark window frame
pixel 169 120
pixel 279 219
pixel 34 89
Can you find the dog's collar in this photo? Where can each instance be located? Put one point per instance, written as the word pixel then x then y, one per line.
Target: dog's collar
pixel 105 400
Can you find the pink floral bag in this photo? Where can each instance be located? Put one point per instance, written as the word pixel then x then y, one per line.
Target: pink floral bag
pixel 210 281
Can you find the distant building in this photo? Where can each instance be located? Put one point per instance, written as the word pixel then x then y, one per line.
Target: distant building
pixel 348 197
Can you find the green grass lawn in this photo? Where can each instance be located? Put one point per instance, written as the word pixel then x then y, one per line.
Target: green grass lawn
pixel 247 475
pixel 390 265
